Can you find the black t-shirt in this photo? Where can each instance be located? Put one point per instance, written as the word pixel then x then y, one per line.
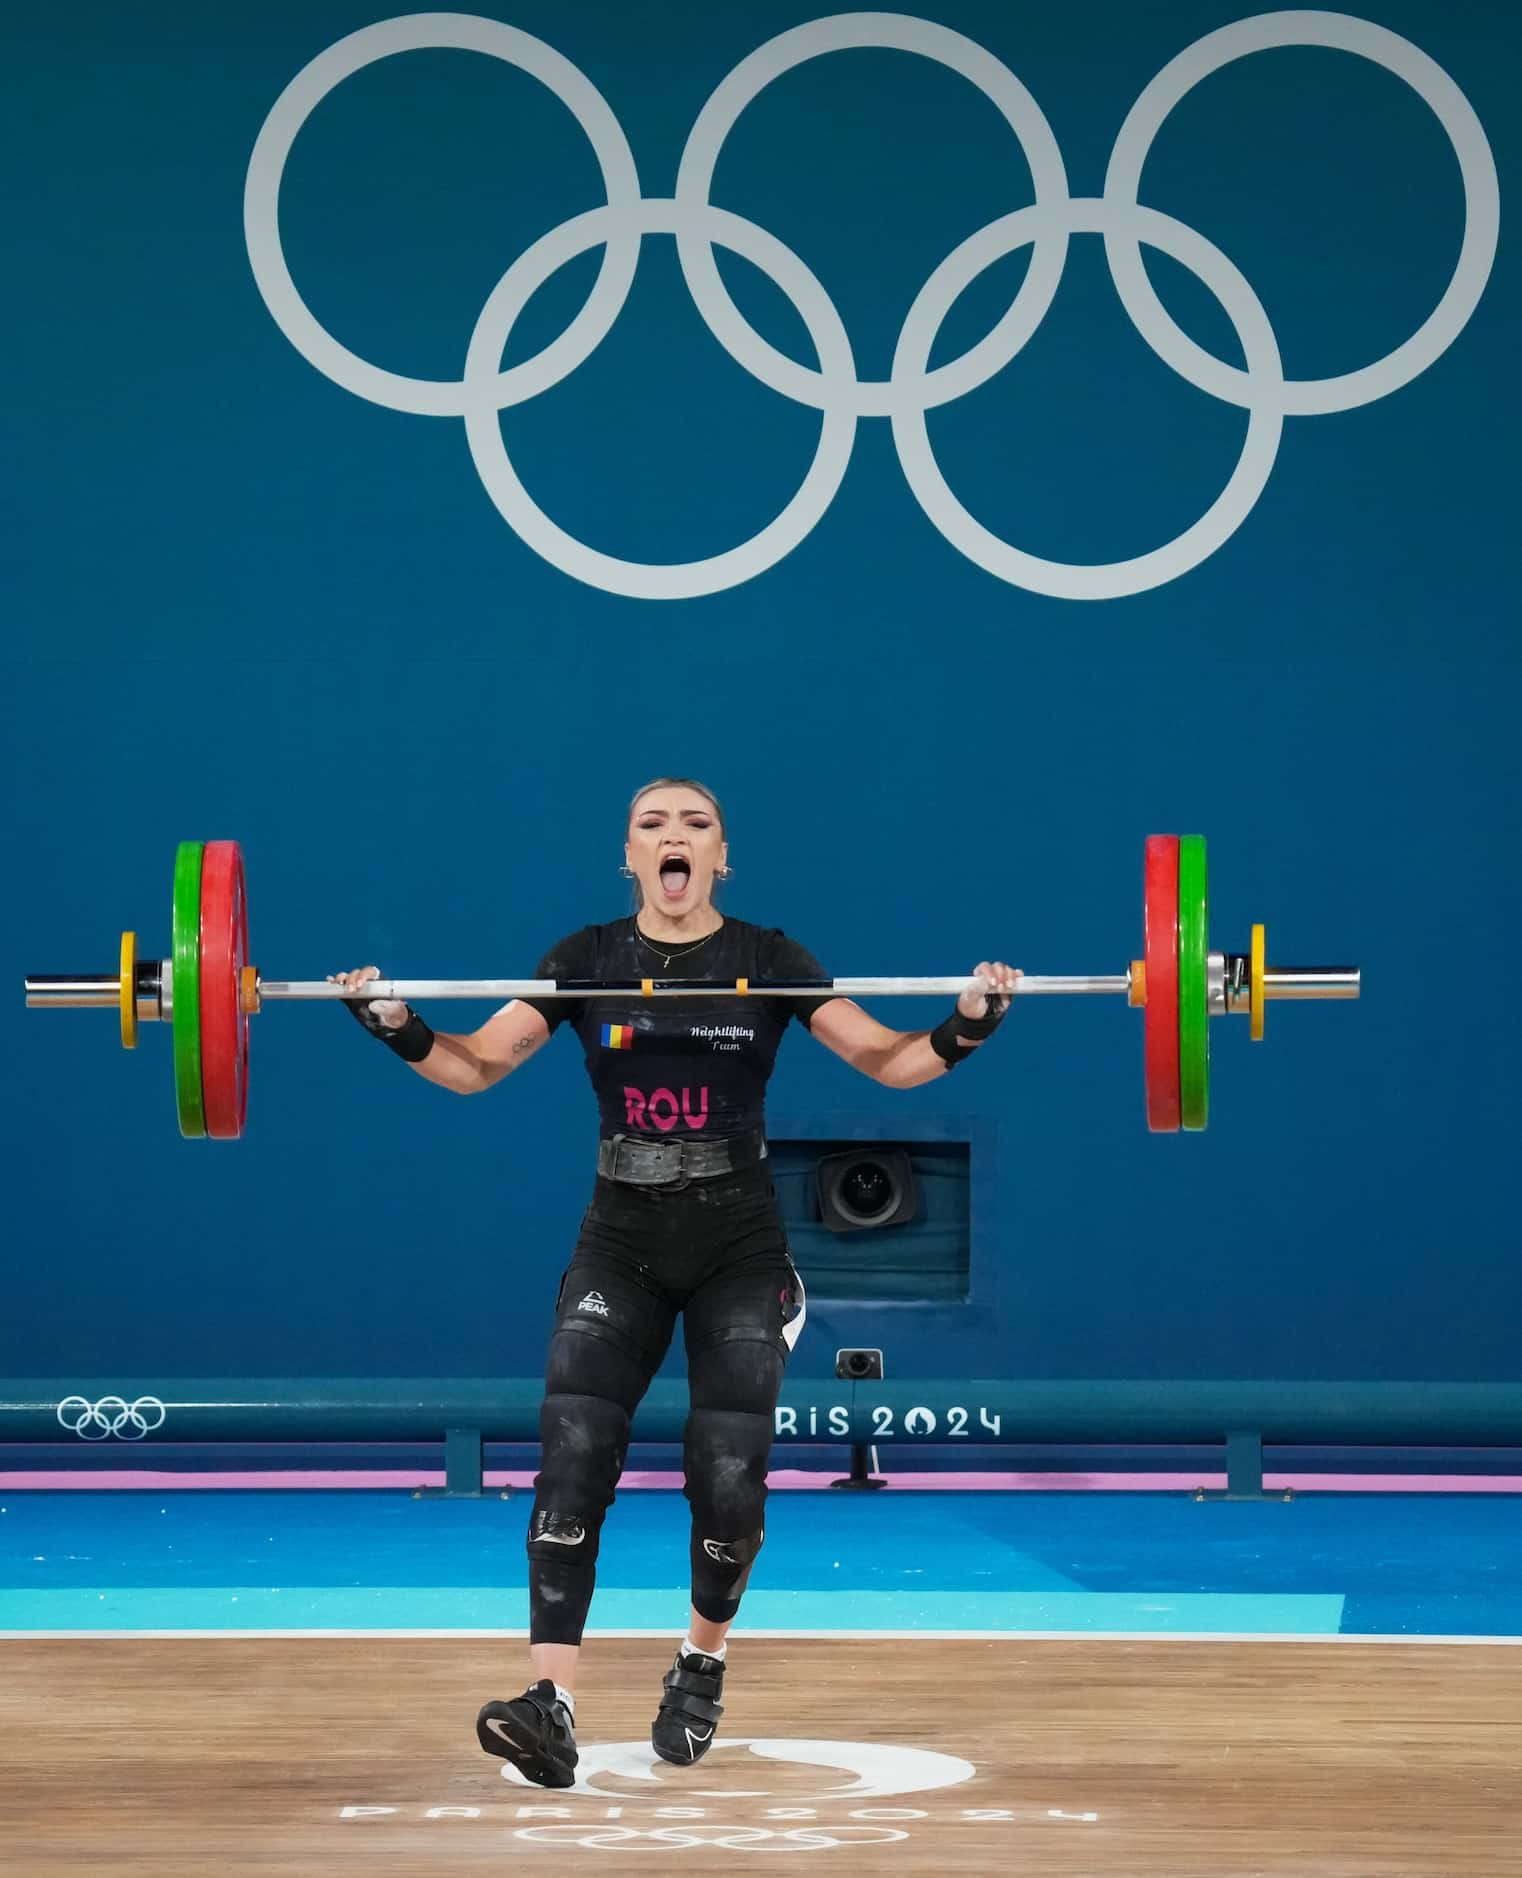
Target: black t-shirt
pixel 685 1066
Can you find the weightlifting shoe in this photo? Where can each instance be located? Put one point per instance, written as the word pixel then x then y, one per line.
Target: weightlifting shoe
pixel 534 1733
pixel 684 1728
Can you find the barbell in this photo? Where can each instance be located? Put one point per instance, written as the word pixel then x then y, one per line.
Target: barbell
pixel 207 991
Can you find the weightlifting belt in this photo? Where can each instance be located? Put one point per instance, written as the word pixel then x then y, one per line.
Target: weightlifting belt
pixel 637 1162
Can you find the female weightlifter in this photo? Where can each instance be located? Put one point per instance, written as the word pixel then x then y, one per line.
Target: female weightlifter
pixel 683 1220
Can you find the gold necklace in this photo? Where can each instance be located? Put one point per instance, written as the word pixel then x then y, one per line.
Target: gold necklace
pixel 667 957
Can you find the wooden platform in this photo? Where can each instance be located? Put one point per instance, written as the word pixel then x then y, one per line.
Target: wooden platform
pixel 298 1758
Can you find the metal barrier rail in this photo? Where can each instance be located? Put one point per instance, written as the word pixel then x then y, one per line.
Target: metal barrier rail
pixel 463 1412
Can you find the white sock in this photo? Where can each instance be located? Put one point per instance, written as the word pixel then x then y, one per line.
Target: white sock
pixel 689 1648
pixel 564 1695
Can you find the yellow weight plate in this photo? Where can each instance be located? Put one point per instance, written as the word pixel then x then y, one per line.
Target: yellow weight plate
pixel 128 990
pixel 1255 987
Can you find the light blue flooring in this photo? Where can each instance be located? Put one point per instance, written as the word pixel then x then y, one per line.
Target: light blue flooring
pixel 1146 1563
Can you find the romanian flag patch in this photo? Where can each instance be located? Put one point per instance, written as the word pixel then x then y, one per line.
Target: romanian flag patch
pixel 618 1036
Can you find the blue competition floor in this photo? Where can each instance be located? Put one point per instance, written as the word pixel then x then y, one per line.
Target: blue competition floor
pixel 1389 1564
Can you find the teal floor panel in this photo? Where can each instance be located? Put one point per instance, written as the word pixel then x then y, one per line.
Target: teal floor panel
pixel 1323 1564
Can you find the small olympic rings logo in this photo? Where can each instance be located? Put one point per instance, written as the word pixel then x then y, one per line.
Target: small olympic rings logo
pixel 111 1415
pixel 913 387
pixel 721 1838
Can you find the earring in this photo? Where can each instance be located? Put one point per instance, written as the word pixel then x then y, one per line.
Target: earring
pixel 627 871
pixel 722 873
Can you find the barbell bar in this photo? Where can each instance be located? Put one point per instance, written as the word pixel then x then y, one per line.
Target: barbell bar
pixel 207 991
pixel 101 992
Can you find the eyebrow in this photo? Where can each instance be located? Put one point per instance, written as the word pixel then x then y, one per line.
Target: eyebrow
pixel 665 812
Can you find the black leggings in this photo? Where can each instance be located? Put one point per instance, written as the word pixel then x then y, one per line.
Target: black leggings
pixel 713 1252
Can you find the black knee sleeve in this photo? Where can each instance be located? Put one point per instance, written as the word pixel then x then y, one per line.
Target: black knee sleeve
pixel 725 1459
pixel 585 1439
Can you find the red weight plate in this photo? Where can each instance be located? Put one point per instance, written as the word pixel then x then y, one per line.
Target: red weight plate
pixel 224 1022
pixel 1161 1014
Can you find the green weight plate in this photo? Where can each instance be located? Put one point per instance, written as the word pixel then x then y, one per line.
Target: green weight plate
pixel 186 966
pixel 1193 955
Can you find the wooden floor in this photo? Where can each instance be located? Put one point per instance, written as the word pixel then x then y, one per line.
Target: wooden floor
pixel 1092 1759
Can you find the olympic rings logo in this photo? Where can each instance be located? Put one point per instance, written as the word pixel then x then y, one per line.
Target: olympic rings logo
pixel 723 1838
pixel 111 1415
pixel 913 388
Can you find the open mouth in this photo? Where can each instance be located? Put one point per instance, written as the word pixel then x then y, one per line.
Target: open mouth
pixel 676 876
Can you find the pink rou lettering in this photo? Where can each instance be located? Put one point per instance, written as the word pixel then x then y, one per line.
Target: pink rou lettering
pixel 660 1108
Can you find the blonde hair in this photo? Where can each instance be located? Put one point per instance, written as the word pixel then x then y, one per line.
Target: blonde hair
pixel 671 782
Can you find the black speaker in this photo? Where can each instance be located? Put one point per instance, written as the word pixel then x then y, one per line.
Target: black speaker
pixel 864 1188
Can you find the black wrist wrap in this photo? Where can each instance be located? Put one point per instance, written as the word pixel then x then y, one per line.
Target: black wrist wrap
pixel 947 1037
pixel 411 1041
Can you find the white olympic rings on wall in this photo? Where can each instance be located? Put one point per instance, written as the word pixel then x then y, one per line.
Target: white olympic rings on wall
pixel 111 1415
pixel 832 388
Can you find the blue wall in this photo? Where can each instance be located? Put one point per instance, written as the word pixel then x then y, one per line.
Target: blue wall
pixel 241 600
